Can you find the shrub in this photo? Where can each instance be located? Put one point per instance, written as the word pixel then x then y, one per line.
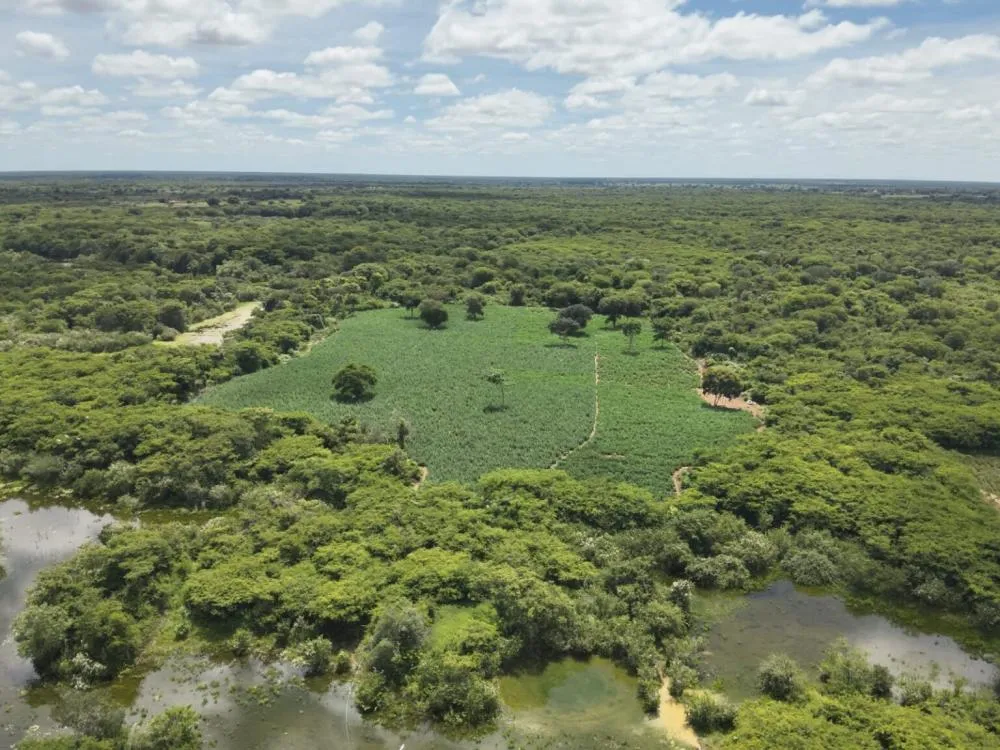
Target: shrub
pixel 315 656
pixel 706 714
pixel 721 572
pixel 354 383
pixel 779 677
pixel 433 313
pixel 241 642
pixel 810 568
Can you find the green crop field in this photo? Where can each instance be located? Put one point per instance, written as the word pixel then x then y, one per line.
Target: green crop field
pixel 651 421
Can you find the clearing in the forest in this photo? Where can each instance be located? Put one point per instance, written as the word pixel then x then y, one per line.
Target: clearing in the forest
pixel 651 420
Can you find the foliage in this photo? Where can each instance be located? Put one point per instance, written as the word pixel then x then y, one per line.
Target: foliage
pixel 564 327
pixel 780 678
pixel 708 713
pixel 354 383
pixel 433 313
pixel 721 382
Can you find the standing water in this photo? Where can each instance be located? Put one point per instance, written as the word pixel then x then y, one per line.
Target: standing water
pixel 34 537
pixel 783 619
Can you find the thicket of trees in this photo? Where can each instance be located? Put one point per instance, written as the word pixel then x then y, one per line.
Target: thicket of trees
pixel 867 327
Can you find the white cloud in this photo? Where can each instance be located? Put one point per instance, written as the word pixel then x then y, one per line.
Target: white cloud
pixel 9 127
pixel 625 37
pixel 370 32
pixel 856 3
pixel 331 117
pixel 349 83
pixel 38 44
pixel 969 114
pixel 343 56
pixel 506 109
pixel 177 89
pixel 911 65
pixel 175 23
pixel 760 97
pixel 142 64
pixel 75 96
pixel 436 84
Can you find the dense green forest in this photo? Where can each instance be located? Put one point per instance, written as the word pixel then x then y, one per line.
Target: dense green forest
pixel 865 323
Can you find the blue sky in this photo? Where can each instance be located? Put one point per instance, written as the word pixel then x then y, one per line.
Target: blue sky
pixel 618 88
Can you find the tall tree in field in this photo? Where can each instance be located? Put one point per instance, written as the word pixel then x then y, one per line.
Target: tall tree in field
pixel 564 327
pixel 661 331
pixel 580 313
pixel 613 308
pixel 402 432
pixel 354 383
pixel 499 379
pixel 631 329
pixel 722 382
pixel 433 313
pixel 474 306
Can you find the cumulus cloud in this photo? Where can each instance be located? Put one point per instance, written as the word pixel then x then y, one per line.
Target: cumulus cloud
pixel 370 32
pixel 760 97
pixel 626 37
pixel 346 84
pixel 436 84
pixel 175 23
pixel 912 65
pixel 506 109
pixel 76 96
pixel 177 89
pixel 142 64
pixel 856 3
pixel 38 44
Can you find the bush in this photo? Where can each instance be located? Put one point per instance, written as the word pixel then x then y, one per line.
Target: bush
pixel 810 568
pixel 354 383
pixel 174 729
pixel 433 313
pixel 779 677
pixel 315 656
pixel 241 642
pixel 707 714
pixel 721 572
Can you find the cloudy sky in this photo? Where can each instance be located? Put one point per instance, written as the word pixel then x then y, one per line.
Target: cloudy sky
pixel 620 88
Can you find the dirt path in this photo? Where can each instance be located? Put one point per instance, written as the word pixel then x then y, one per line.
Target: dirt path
pixel 213 330
pixel 597 414
pixel 737 404
pixel 424 473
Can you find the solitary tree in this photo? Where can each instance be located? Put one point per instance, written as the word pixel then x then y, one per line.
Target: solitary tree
pixel 613 308
pixel 410 299
pixel 433 313
pixel 722 382
pixel 564 327
pixel 402 432
pixel 580 313
pixel 499 379
pixel 631 329
pixel 474 306
pixel 354 383
pixel 661 331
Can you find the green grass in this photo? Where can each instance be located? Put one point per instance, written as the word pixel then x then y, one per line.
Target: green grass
pixel 651 420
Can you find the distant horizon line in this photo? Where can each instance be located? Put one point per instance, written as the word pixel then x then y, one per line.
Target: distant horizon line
pixel 7 174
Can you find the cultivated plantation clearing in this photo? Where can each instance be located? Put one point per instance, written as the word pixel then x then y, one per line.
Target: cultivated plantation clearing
pixel 651 419
pixel 214 330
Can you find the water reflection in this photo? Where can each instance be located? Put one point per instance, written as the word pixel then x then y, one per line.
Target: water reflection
pixel 784 619
pixel 34 537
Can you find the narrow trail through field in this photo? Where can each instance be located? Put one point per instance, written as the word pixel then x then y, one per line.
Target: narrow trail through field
pixel 597 413
pixel 424 472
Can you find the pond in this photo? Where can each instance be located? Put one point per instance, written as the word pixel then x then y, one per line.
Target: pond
pixel 566 704
pixel 34 537
pixel 802 625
